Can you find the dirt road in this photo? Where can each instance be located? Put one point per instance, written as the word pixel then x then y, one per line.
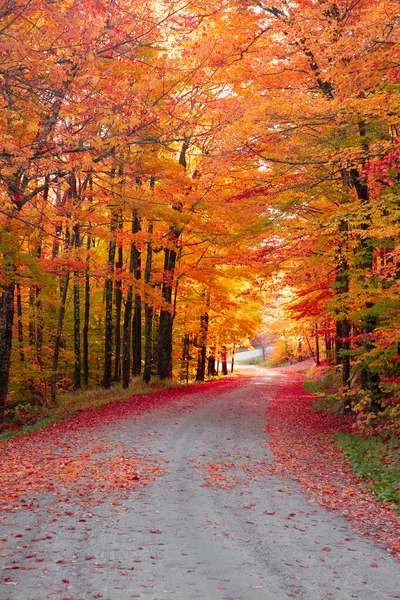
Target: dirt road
pixel 217 522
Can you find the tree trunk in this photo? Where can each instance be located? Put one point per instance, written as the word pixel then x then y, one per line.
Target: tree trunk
pixel 164 346
pixel 137 314
pixel 224 366
pixel 201 357
pixel 317 357
pixel 109 310
pixel 369 379
pixel 31 325
pixel 20 327
pixel 185 357
pixel 77 320
pixel 211 371
pixel 164 350
pixel 148 313
pixel 126 344
pixel 126 339
pixel 86 317
pixel 118 313
pixel 57 343
pixel 6 338
pixel 342 343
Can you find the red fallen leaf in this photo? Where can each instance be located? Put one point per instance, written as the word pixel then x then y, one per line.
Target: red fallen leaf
pixel 65 580
pixel 374 565
pixel 155 531
pixel 327 549
pixel 298 436
pixel 269 512
pixel 289 516
pixel 61 562
pixel 116 503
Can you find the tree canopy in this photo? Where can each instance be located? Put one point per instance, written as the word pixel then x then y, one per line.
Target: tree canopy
pixel 171 173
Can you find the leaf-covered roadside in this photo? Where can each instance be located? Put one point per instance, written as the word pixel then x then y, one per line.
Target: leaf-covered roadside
pixel 373 448
pixel 77 458
pixel 304 446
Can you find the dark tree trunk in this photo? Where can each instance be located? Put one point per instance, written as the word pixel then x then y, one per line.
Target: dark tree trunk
pixel 164 346
pixel 211 371
pixel 185 357
pixel 202 352
pixel 317 357
pixel 233 360
pixel 20 327
pixel 77 320
pixel 126 338
pixel 39 326
pixel 118 314
pixel 148 313
pixel 342 343
pixel 86 318
pixel 137 314
pixel 346 353
pixel 126 344
pixel 109 310
pixel 224 366
pixel 364 257
pixel 57 342
pixel 6 339
pixel 164 363
pixel 31 325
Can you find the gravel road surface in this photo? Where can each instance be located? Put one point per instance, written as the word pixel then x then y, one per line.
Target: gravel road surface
pixel 216 524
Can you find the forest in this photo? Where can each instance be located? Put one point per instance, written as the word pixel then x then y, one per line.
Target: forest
pixel 178 177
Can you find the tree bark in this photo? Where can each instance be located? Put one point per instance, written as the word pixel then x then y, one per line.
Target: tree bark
pixel 20 326
pixel 6 336
pixel 118 314
pixel 126 343
pixel 164 349
pixel 109 310
pixel 148 312
pixel 202 352
pixel 77 320
pixel 164 346
pixel 224 366
pixel 86 317
pixel 137 314
pixel 57 342
pixel 317 357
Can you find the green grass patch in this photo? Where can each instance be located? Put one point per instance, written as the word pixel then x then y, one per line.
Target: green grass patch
pixel 326 390
pixel 376 462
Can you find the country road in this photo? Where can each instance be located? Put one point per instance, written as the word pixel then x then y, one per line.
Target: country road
pixel 213 522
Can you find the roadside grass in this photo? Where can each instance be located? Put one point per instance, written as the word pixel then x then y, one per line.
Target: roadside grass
pixel 24 419
pixel 325 386
pixel 373 457
pixel 376 462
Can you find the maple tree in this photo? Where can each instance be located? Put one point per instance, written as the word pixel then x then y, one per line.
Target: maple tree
pixel 162 164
